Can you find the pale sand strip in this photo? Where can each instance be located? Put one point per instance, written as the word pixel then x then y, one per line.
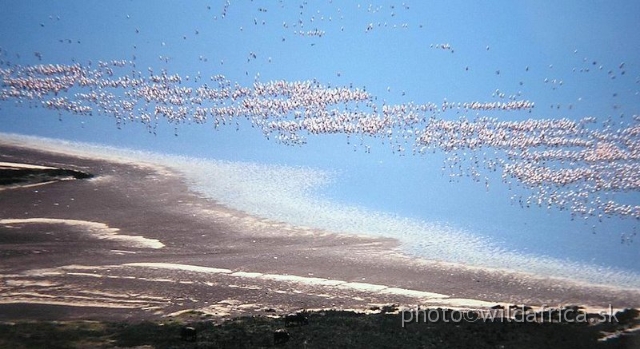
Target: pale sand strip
pixel 72 303
pixel 412 293
pixel 11 186
pixel 309 281
pixel 243 274
pixel 16 165
pixel 461 303
pixel 96 229
pixel 185 267
pixel 305 280
pixel 423 298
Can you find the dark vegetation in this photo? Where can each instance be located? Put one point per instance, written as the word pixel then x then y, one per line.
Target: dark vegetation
pixel 325 329
pixel 32 176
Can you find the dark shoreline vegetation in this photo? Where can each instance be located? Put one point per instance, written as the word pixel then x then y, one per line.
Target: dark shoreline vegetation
pixel 25 176
pixel 324 329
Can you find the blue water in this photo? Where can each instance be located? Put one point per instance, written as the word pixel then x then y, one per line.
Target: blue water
pixel 489 213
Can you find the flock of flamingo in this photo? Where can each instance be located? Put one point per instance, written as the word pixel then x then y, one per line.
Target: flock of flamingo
pixel 573 165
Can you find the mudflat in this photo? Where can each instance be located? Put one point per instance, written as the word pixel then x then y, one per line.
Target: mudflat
pixel 128 241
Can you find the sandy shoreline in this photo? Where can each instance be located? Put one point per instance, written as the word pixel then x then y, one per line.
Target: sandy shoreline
pixel 214 258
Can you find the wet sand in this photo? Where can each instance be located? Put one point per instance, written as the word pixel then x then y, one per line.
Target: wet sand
pixel 134 243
